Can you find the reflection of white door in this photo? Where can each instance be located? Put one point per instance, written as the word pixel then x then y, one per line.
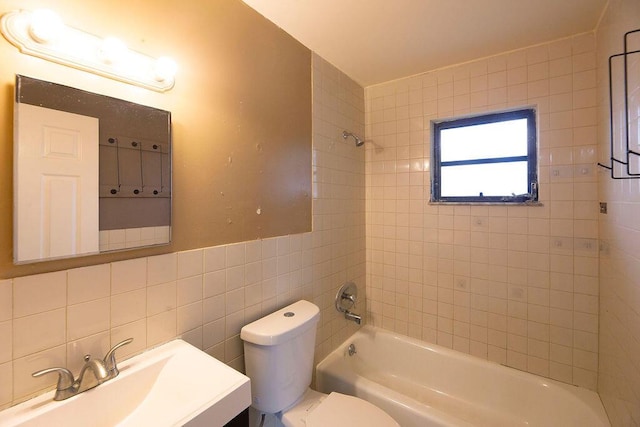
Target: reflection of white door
pixel 56 184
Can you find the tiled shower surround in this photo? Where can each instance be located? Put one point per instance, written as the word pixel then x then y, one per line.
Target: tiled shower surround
pixel 205 295
pixel 517 285
pixel 619 373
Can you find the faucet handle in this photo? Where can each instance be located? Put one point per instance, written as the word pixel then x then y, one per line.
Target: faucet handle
pixel 349 297
pixel 346 297
pixel 110 358
pixel 65 378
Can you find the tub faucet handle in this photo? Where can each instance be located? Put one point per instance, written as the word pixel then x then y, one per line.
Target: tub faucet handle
pixel 349 297
pixel 346 297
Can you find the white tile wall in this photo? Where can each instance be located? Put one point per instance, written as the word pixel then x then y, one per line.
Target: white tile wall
pixel 619 361
pixel 204 295
pixel 515 285
pixel 58 317
pixel 338 237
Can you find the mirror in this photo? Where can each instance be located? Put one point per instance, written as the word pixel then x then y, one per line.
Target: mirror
pixel 91 173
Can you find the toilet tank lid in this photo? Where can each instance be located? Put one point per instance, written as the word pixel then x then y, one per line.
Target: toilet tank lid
pixel 282 325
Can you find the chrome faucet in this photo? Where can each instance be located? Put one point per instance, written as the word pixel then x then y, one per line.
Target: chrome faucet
pixel 66 384
pixel 352 316
pixel 346 299
pixel 349 297
pixel 110 359
pixel 93 373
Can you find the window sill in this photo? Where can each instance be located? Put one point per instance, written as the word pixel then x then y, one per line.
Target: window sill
pixel 532 204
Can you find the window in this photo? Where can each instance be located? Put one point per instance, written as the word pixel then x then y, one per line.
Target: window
pixel 489 158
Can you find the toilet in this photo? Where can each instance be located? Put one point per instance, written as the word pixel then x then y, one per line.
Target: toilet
pixel 278 354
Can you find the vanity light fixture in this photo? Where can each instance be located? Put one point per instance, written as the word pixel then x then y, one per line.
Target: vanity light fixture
pixel 43 34
pixel 45 26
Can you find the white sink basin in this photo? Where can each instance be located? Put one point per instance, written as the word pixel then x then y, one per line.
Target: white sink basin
pixel 172 385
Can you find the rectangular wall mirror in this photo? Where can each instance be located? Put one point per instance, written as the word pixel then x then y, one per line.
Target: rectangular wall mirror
pixel 91 173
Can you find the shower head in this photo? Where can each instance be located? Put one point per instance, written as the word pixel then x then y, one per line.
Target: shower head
pixel 359 142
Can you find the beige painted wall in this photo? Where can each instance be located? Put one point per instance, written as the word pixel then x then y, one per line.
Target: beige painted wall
pixel 204 295
pixel 619 368
pixel 241 110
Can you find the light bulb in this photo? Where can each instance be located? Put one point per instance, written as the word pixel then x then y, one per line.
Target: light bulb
pixel 165 69
pixel 45 25
pixel 112 50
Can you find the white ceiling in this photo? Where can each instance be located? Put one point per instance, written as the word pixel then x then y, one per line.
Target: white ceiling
pixel 375 41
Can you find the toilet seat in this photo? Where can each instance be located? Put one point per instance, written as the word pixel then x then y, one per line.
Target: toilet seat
pixel 335 410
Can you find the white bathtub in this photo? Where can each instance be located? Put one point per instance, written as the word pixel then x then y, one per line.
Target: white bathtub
pixel 421 384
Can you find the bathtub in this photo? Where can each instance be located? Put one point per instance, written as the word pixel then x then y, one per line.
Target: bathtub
pixel 421 384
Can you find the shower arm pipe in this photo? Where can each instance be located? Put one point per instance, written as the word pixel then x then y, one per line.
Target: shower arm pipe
pixel 347 134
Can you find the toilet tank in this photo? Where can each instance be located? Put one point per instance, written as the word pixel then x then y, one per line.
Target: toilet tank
pixel 278 355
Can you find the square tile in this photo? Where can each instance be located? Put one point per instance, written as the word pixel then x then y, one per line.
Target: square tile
pixel 128 275
pixel 88 283
pixel 128 307
pixel 6 299
pixel 88 318
pixel 161 298
pixel 215 258
pixel 38 332
pixel 189 290
pixel 190 263
pixel 161 328
pixel 6 383
pixel 162 269
pixel 39 293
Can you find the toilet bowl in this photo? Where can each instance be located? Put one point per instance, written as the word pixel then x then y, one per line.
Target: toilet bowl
pixel 317 409
pixel 278 353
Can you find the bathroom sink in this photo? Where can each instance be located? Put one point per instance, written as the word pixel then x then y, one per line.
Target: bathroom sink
pixel 172 385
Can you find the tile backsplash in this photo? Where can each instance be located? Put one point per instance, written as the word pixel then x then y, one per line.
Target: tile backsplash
pixel 204 295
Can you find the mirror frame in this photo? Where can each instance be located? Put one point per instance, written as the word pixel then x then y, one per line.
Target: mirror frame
pixel 120 120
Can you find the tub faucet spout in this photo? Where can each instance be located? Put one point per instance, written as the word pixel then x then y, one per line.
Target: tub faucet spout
pixel 352 316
